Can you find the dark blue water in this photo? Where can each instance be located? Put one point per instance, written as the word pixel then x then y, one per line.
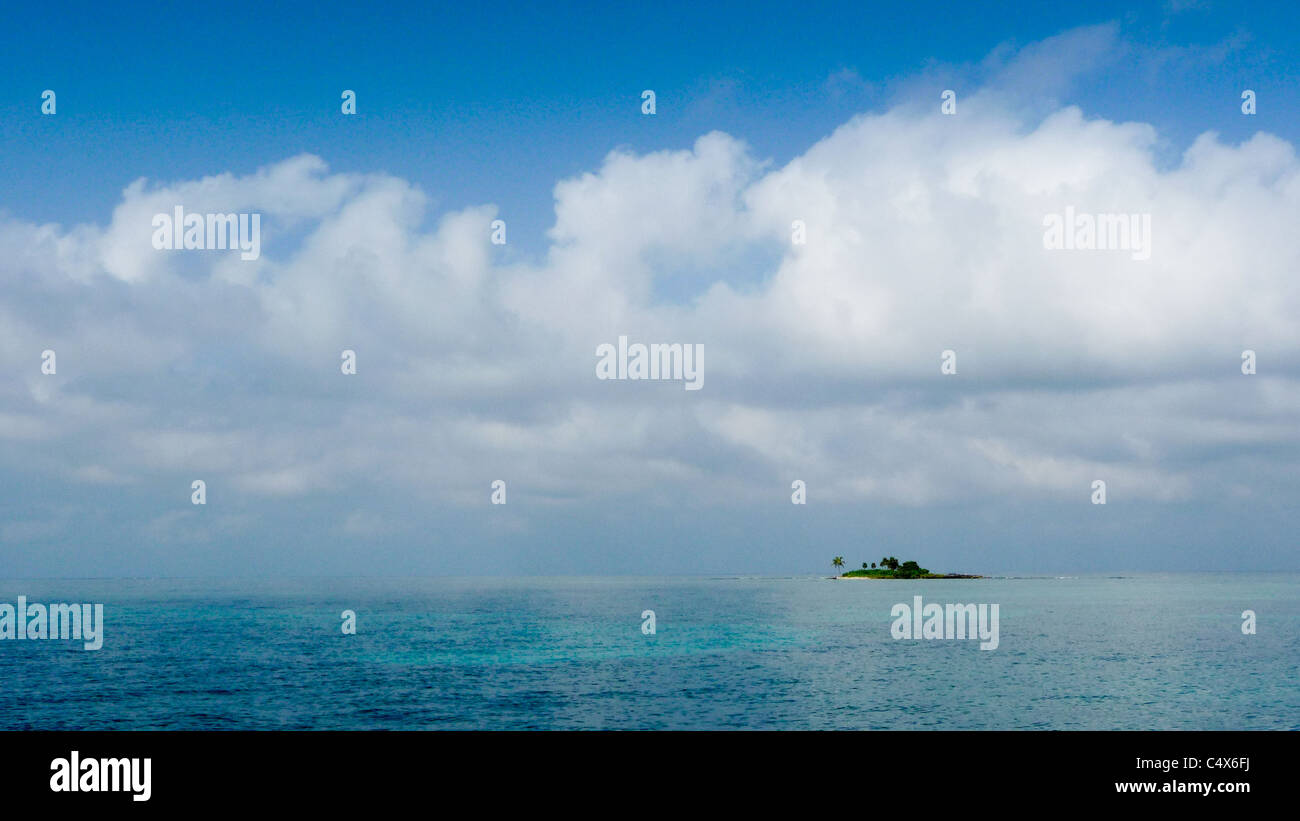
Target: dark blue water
pixel 806 653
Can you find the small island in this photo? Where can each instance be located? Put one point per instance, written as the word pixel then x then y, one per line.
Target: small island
pixel 891 568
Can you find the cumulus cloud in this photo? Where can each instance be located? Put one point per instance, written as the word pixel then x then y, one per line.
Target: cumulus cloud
pixel 924 234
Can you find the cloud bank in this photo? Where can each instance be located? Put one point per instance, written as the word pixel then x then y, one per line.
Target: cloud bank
pixel 924 234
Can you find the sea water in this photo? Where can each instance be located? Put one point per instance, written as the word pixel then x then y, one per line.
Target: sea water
pixel 1116 652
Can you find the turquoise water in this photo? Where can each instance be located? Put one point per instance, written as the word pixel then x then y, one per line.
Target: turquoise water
pixel 1134 652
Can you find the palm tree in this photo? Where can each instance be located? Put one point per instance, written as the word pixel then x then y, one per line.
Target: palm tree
pixel 864 565
pixel 873 565
pixel 838 561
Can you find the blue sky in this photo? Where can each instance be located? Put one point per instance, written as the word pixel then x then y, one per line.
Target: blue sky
pixel 476 361
pixel 496 103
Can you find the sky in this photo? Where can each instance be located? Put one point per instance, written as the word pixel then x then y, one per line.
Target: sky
pixel 476 362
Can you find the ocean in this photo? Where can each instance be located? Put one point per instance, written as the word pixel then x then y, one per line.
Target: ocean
pixel 1131 652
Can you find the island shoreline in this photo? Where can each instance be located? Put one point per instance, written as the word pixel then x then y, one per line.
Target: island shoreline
pixel 860 575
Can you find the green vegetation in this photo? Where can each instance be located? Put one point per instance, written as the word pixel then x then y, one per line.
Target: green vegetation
pixel 891 568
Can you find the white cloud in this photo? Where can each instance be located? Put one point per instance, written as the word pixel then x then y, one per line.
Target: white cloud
pixel 924 233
